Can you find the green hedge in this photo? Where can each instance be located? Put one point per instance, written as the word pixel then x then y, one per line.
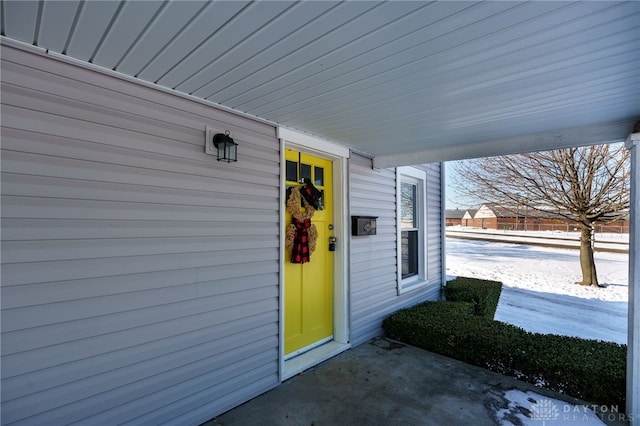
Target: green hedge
pixel 587 369
pixel 483 294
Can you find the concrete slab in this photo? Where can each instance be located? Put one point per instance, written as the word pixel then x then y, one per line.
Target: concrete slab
pixel 384 382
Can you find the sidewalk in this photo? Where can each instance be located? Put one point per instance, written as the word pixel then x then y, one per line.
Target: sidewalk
pixel 383 382
pixel 561 240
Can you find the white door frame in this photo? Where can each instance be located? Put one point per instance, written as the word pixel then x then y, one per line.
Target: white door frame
pixel 341 335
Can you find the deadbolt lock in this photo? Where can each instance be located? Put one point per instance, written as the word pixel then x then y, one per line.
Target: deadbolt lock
pixel 332 243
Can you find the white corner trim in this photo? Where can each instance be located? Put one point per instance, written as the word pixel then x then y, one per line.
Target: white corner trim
pixel 632 140
pixel 443 230
pixel 312 142
pixel 633 340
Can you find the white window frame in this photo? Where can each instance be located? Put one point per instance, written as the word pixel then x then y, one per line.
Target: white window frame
pixel 418 177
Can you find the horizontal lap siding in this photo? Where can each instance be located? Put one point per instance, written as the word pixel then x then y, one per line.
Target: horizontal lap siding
pixel 374 258
pixel 139 275
pixel 434 221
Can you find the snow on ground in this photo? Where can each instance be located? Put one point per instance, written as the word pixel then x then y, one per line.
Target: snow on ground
pixel 539 292
pixel 602 242
pixel 569 235
pixel 531 409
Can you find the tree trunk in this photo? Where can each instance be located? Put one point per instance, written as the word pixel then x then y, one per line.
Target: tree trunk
pixel 587 263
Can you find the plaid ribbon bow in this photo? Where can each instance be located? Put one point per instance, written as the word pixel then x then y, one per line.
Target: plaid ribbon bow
pixel 300 250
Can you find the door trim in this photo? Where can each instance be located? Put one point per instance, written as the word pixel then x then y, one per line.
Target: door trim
pixel 308 348
pixel 319 146
pixel 341 333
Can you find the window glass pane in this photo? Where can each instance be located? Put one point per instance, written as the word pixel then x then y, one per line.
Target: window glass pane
pixel 305 172
pixel 292 171
pixel 409 253
pixel 319 176
pixel 408 205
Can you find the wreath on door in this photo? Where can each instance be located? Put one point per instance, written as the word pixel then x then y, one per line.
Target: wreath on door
pixel 301 235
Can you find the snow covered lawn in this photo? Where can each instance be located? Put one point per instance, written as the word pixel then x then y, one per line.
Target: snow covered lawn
pixel 531 409
pixel 539 292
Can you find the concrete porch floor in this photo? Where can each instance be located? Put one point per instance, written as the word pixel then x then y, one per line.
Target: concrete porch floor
pixel 384 382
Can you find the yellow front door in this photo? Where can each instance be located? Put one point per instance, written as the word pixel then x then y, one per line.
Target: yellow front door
pixel 308 287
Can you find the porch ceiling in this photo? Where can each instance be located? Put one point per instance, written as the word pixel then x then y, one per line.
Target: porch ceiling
pixel 407 82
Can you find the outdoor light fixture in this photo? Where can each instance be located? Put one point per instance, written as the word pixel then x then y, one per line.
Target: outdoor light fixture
pixel 225 148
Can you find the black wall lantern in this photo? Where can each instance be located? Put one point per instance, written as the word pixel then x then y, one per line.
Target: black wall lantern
pixel 221 145
pixel 227 148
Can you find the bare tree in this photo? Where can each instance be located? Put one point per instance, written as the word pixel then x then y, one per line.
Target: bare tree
pixel 583 185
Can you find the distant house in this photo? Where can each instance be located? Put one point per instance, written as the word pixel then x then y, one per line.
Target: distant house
pixel 454 216
pixel 467 219
pixel 617 226
pixel 493 216
pixel 487 217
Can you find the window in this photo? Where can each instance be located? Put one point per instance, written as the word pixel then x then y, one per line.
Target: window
pixel 411 228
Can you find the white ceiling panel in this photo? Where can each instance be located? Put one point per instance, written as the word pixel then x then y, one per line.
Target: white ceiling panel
pixel 20 18
pixel 251 19
pixel 386 42
pixel 91 26
pixel 466 95
pixel 190 37
pixel 124 31
pixel 350 61
pixel 405 81
pixel 239 56
pixel 302 38
pixel 57 21
pixel 161 31
pixel 359 22
pixel 435 76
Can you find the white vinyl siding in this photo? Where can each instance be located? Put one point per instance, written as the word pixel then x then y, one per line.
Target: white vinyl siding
pixel 139 275
pixel 435 221
pixel 374 259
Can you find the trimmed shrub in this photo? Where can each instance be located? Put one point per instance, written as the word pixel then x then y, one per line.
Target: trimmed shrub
pixel 484 294
pixel 444 308
pixel 587 369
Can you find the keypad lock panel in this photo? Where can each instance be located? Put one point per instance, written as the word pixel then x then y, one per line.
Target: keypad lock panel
pixel 332 243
